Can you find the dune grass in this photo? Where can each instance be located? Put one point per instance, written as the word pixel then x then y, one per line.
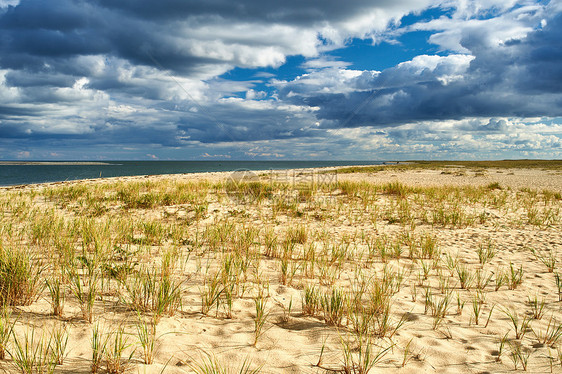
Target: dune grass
pixel 371 263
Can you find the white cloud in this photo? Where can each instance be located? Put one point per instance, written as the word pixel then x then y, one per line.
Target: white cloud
pixel 152 76
pixel 7 94
pixel 454 33
pixel 7 3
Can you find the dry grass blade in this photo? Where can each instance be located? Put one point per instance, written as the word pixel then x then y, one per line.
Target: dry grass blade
pixel 6 329
pixel 261 316
pixel 551 334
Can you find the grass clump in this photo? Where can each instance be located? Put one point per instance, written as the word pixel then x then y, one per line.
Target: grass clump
pixel 6 328
pixel 551 334
pixel 520 325
pixel 59 342
pixel 211 293
pixel 311 301
pixel 32 353
pixel 548 259
pixel 537 306
pixel 57 295
pixel 515 276
pixel 360 354
pixel 333 305
pixel 262 314
pixel 210 364
pixel 153 291
pixel 98 343
pixel 20 276
pixel 39 353
pixel 297 235
pixel 85 291
pixel 486 252
pixel 519 354
pixel 146 333
pixel 116 344
pixel 466 277
pixel 494 186
pixel 439 310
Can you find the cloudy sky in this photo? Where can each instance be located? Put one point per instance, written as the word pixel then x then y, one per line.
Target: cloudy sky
pixel 269 79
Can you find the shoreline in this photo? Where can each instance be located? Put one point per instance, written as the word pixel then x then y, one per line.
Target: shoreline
pixel 126 169
pixel 439 175
pixel 214 175
pixel 62 163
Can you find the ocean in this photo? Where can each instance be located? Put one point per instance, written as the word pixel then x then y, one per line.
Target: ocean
pixel 19 173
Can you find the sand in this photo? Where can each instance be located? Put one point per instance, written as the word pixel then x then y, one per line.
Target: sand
pixel 296 343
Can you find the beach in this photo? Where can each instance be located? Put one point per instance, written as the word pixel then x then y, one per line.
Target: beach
pixel 393 269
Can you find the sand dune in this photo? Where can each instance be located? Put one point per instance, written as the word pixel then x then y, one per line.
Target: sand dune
pixel 392 239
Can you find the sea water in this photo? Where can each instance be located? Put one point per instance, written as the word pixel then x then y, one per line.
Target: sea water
pixel 18 173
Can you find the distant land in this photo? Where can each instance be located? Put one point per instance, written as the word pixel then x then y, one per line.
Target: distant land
pixel 53 163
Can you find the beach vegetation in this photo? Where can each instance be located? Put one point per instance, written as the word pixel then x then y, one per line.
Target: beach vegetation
pixel 373 264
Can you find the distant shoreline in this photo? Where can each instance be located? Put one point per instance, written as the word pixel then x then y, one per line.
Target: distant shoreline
pixel 5 163
pixel 513 178
pixel 209 175
pixel 55 172
pixel 24 172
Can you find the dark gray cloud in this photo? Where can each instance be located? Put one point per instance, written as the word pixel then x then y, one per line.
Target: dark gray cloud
pixel 294 12
pixel 136 74
pixel 132 72
pixel 170 31
pixel 513 79
pixel 42 36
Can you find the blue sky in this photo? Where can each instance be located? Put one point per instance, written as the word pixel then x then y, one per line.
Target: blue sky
pixel 353 80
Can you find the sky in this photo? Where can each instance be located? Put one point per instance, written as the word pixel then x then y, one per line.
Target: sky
pixel 280 80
